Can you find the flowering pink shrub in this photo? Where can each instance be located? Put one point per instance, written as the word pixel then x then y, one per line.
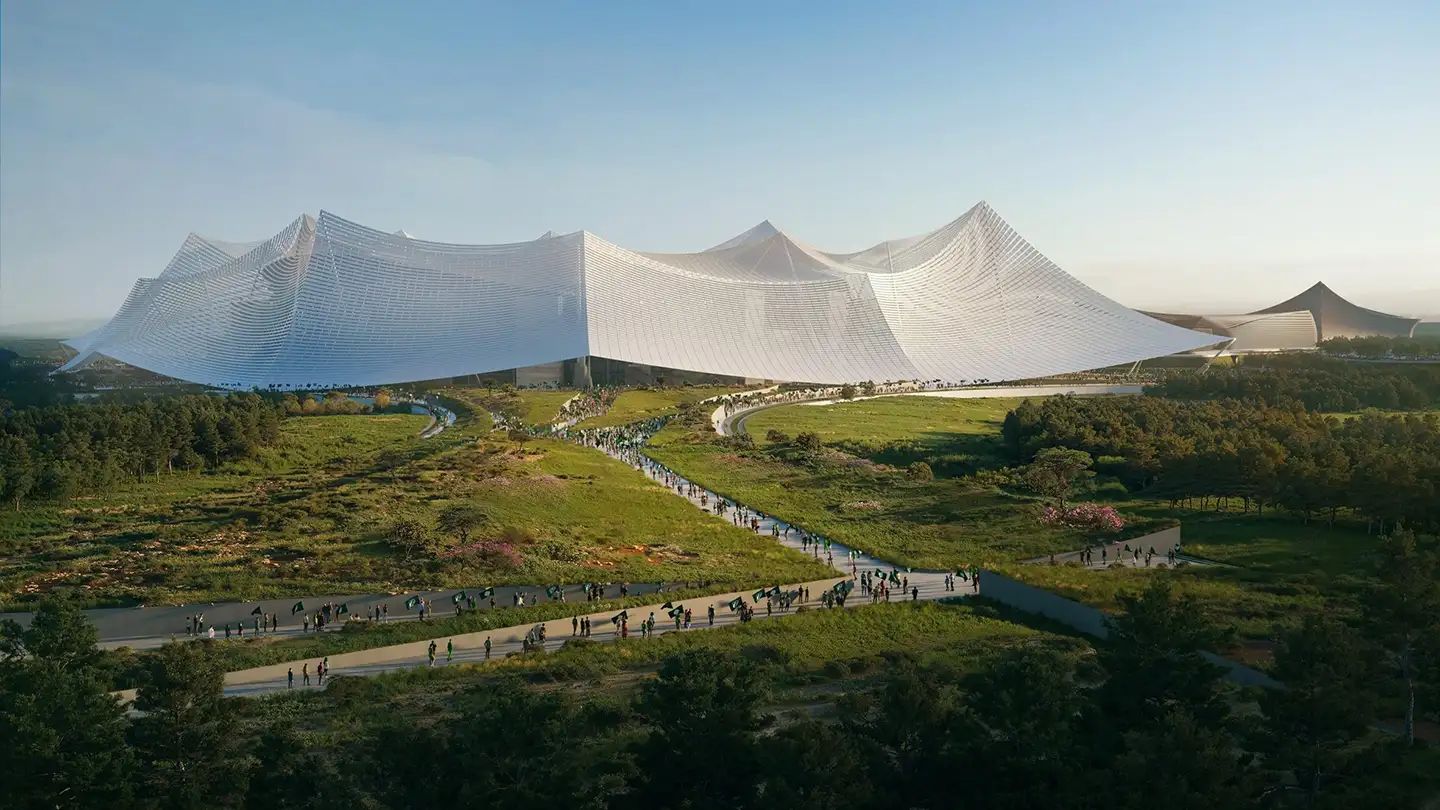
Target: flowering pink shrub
pixel 1088 516
pixel 494 552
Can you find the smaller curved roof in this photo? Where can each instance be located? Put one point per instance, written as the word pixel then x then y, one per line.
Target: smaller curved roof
pixel 1337 317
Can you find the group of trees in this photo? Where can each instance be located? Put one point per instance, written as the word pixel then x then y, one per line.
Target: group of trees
pixel 56 451
pixel 1377 346
pixel 1318 383
pixel 1385 469
pixel 1148 722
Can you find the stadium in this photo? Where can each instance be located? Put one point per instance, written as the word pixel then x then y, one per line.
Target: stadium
pixel 329 303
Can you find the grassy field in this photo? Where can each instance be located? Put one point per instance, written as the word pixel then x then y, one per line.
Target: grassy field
pixel 1274 568
pixel 644 403
pixel 952 434
pixel 1276 565
pixel 314 515
pixel 542 406
pixel 944 523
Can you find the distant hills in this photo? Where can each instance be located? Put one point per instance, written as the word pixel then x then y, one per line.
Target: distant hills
pixel 66 328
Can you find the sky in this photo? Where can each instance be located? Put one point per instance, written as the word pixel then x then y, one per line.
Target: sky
pixel 1201 157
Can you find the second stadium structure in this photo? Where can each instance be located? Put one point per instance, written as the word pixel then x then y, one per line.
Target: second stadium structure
pixel 327 303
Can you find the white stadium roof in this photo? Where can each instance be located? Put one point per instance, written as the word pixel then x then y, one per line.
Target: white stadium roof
pixel 330 303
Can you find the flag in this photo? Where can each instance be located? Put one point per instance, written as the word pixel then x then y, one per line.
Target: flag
pixel 344 609
pixel 737 603
pixel 459 597
pixel 961 573
pixel 257 611
pixel 296 608
pixel 554 591
pixel 487 592
pixel 668 605
pixel 619 617
pixel 412 602
pixel 758 595
pixel 676 613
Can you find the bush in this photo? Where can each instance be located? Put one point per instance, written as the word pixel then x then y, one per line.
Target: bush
pixel 919 472
pixel 808 441
pixel 777 436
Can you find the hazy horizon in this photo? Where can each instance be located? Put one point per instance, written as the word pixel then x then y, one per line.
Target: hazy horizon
pixel 1210 158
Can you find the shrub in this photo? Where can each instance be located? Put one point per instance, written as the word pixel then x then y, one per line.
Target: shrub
pixel 1087 516
pixel 919 472
pixel 777 436
pixel 808 441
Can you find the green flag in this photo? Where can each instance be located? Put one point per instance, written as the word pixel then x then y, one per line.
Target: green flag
pixel 619 617
pixel 296 608
pixel 344 608
pixel 412 602
pixel 758 595
pixel 676 613
pixel 554 591
pixel 668 605
pixel 487 592
pixel 257 611
pixel 737 603
pixel 459 597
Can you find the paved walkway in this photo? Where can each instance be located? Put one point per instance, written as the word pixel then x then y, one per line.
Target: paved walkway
pixel 148 627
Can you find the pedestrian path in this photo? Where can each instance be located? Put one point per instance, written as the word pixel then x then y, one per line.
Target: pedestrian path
pixel 143 628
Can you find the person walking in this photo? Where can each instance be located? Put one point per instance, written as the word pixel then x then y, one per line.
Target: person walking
pixel 574 625
pixel 305 674
pixel 430 652
pixel 487 648
pixel 711 611
pixel 449 650
pixel 290 678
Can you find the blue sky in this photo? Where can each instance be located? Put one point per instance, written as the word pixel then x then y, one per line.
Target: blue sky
pixel 1206 156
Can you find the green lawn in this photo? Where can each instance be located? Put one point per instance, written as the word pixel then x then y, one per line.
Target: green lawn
pixel 542 406
pixel 643 403
pixel 314 513
pixel 951 434
pixel 944 523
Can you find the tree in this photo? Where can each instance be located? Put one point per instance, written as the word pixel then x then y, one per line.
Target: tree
pixel 1017 732
pixel 904 733
pixel 703 707
pixel 382 399
pixel 1311 725
pixel 410 536
pixel 509 747
pixel 185 728
pixel 919 472
pixel 518 436
pixel 64 731
pixel 1403 610
pixel 848 391
pixel 1055 471
pixel 1152 657
pixel 460 520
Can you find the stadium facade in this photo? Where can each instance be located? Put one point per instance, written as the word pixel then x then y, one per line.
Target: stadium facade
pixel 1262 332
pixel 1296 323
pixel 328 303
pixel 1336 317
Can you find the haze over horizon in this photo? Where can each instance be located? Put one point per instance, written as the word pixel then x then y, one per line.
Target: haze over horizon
pixel 1210 157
